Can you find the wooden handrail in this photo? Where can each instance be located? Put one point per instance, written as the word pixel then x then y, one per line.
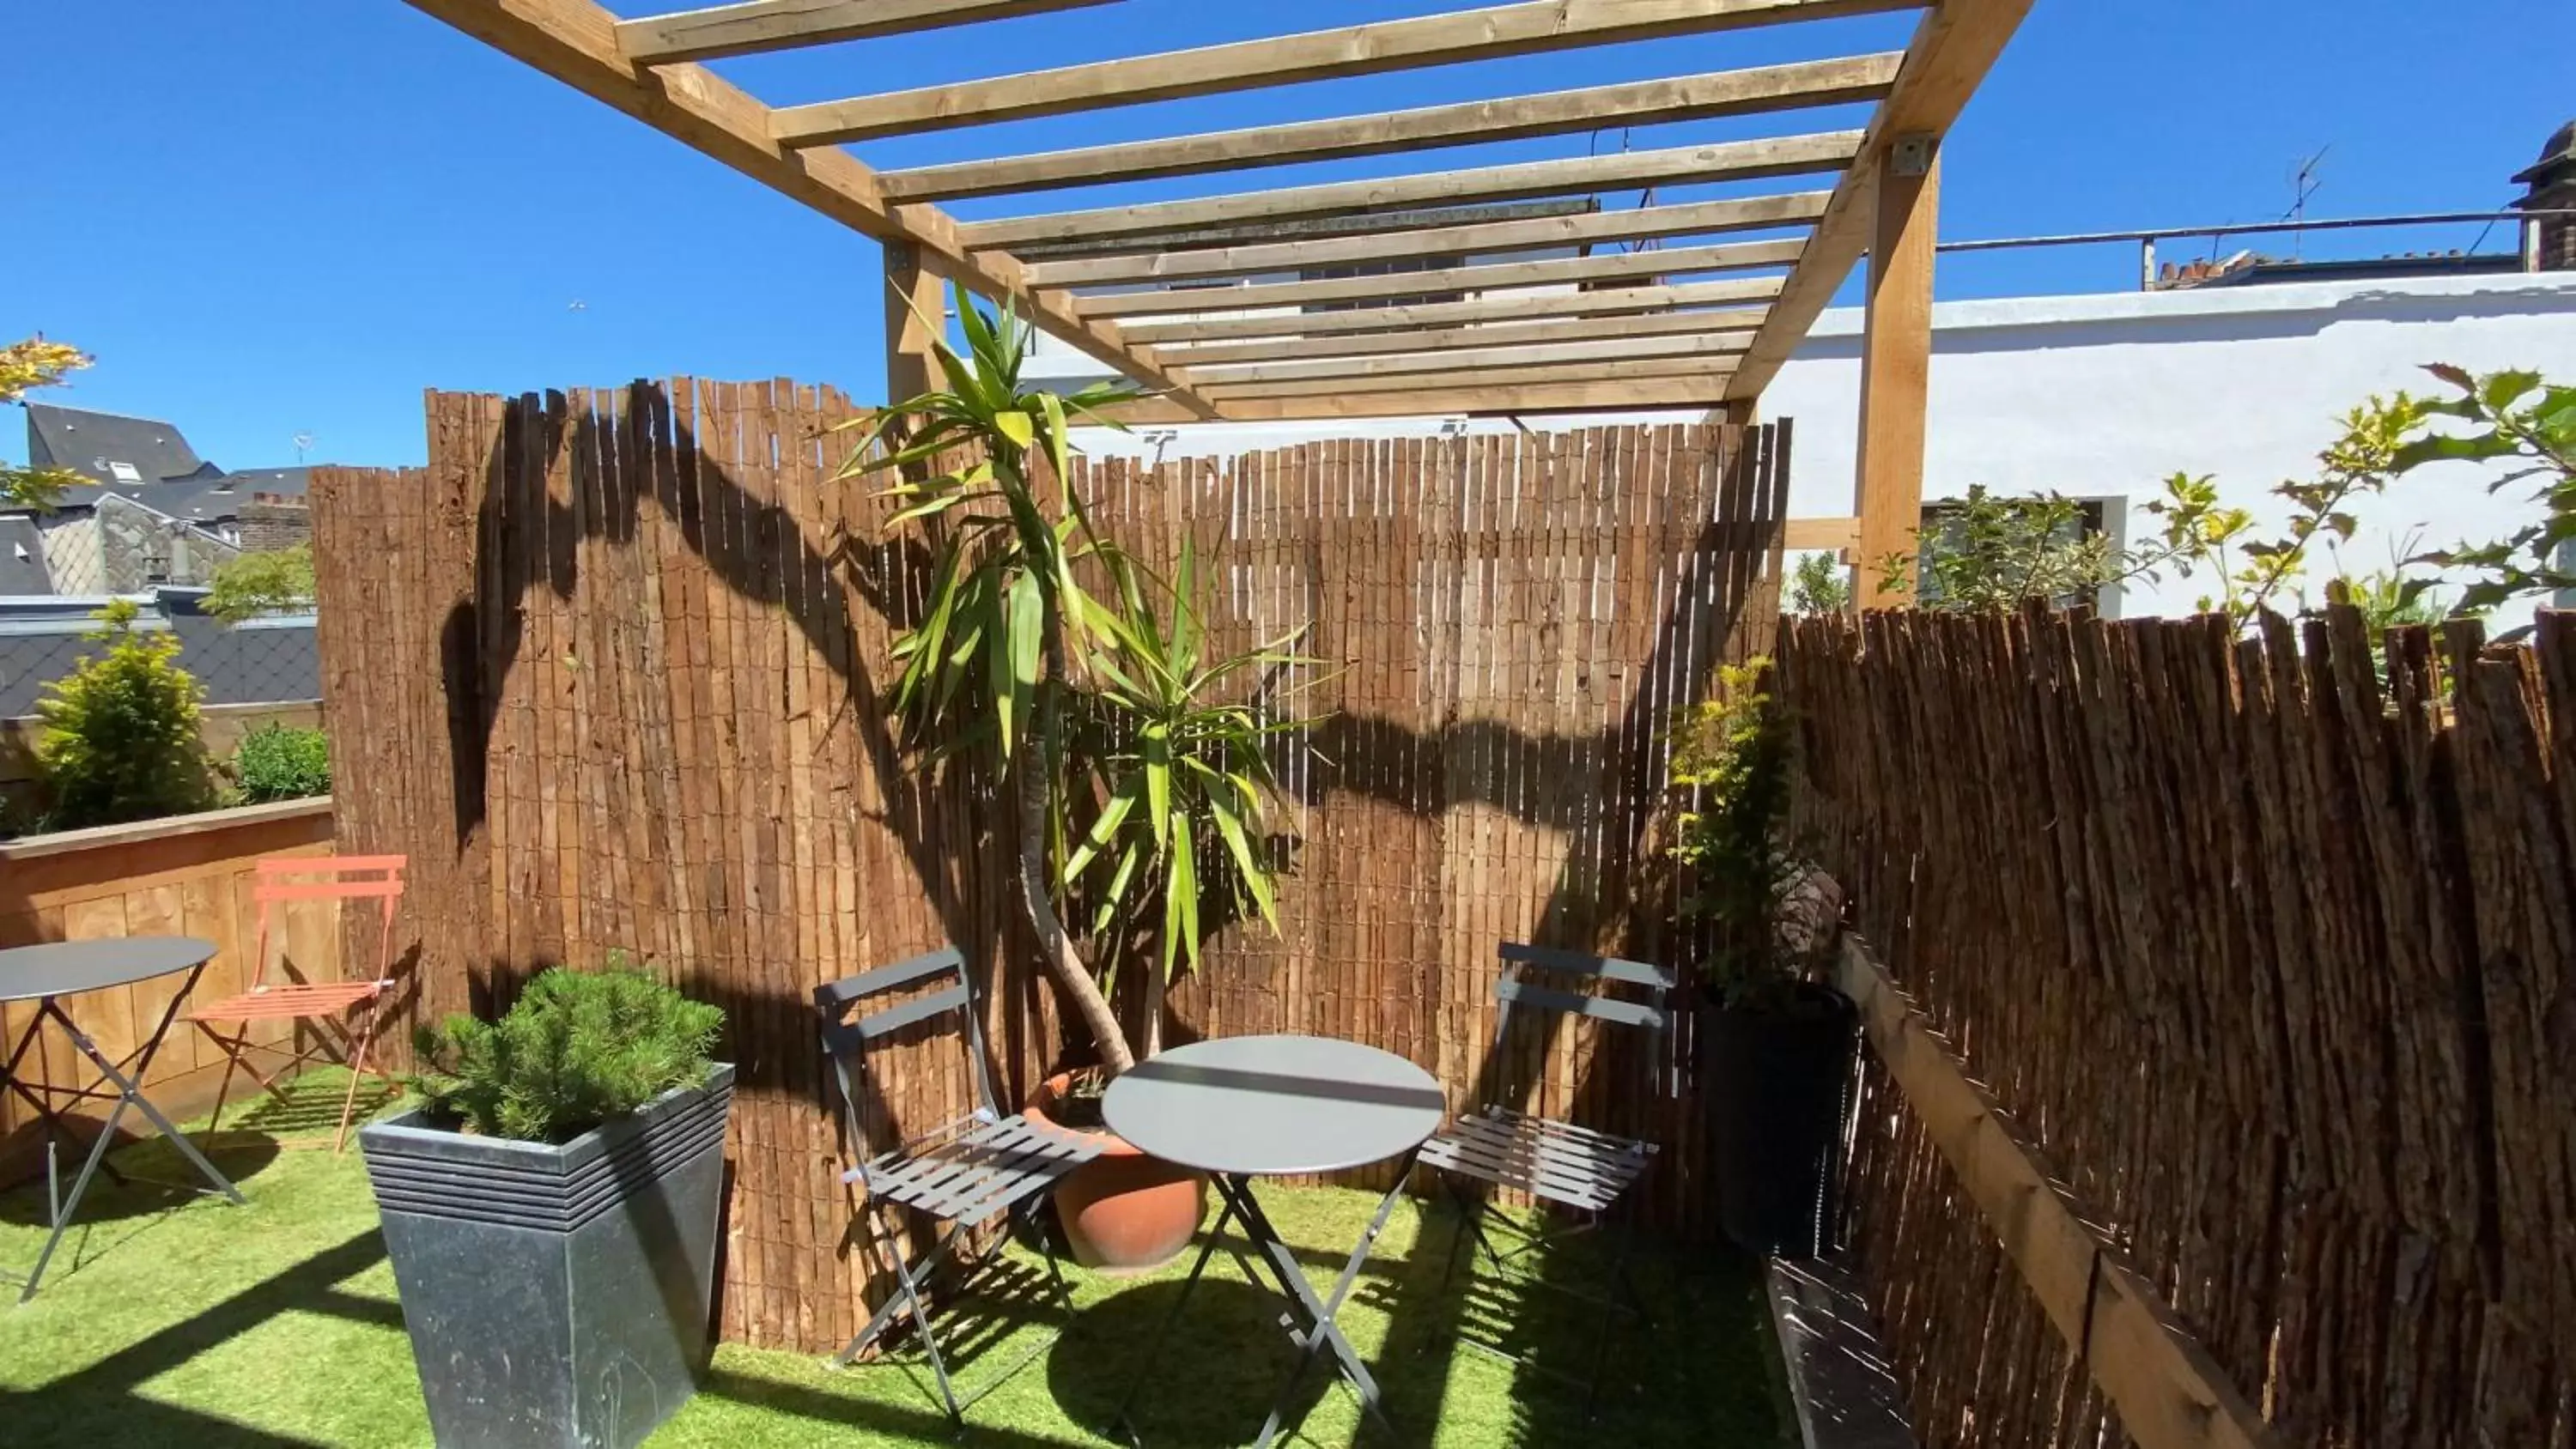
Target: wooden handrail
pixel 2169 1392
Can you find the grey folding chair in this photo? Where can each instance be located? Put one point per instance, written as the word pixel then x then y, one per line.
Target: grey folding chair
pixel 964 1173
pixel 1590 1173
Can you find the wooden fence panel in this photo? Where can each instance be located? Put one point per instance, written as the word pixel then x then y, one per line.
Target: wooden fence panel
pixel 610 670
pixel 2268 946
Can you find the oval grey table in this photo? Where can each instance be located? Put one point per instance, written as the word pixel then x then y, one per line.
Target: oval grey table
pixel 1278 1106
pixel 45 974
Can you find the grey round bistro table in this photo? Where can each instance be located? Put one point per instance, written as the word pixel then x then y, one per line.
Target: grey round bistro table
pixel 45 974
pixel 1275 1106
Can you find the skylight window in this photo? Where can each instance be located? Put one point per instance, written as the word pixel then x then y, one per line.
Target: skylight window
pixel 124 473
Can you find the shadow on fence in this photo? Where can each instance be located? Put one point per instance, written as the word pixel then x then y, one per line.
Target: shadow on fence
pixel 599 574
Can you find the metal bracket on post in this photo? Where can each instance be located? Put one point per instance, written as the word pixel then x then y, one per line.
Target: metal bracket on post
pixel 1911 155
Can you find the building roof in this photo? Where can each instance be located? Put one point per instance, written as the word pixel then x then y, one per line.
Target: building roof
pixel 22 558
pixel 168 476
pixel 109 448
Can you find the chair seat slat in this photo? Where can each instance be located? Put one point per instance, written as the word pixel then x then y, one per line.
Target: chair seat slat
pixel 280 1003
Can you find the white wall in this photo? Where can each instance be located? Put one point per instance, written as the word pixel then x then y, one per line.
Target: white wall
pixel 2105 396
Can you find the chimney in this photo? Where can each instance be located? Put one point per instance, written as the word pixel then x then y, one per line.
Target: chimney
pixel 272 521
pixel 2553 186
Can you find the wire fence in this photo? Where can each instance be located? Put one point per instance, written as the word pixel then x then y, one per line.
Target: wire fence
pixel 251 663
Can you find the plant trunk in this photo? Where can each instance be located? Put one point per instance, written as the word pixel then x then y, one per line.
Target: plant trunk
pixel 1054 942
pixel 1154 990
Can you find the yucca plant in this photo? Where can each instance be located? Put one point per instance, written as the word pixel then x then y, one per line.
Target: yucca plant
pixel 1180 750
pixel 992 645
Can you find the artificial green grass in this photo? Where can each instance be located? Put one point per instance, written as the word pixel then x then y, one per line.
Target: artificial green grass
pixel 174 1319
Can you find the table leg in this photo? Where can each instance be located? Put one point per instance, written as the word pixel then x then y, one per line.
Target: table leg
pixel 1319 1313
pixel 1172 1316
pixel 129 1094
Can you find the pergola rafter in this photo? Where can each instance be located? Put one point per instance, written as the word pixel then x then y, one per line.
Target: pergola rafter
pixel 1690 98
pixel 1547 233
pixel 1496 276
pixel 1450 289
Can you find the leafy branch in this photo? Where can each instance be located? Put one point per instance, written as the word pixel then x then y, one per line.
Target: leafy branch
pixel 24 367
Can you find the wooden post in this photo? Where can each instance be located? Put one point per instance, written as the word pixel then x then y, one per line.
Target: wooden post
pixel 911 370
pixel 1896 363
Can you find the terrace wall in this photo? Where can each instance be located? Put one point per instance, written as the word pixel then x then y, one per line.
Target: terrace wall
pixel 2275 967
pixel 609 670
pixel 188 876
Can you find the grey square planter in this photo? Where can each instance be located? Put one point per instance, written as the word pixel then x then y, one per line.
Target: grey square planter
pixel 556 1294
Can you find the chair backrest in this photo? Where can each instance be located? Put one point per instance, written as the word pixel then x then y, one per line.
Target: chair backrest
pixel 1642 1006
pixel 285 879
pixel 848 1029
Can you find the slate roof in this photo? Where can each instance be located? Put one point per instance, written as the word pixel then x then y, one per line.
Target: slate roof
pixel 169 476
pixel 22 558
pixel 91 443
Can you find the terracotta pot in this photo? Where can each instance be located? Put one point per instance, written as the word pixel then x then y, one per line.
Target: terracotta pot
pixel 1123 1212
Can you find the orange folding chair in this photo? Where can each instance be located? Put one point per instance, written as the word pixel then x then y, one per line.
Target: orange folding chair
pixel 326 1015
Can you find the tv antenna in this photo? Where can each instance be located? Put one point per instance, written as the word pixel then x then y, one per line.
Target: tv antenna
pixel 303 445
pixel 2305 181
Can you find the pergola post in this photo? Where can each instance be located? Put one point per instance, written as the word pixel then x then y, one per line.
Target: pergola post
pixel 911 369
pixel 1896 365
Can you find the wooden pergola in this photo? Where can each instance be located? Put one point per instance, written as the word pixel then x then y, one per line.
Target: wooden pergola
pixel 1132 286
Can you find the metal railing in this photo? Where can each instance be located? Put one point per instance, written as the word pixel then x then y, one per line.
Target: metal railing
pixel 2146 240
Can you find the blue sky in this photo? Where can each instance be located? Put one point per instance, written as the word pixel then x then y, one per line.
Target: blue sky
pixel 272 217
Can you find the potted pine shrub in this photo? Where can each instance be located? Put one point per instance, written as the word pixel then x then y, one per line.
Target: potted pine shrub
pixel 1775 1044
pixel 550 1208
pixel 1135 761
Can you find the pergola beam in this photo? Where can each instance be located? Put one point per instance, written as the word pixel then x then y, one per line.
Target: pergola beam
pixel 757 25
pixel 1636 170
pixel 1952 50
pixel 1639 223
pixel 1349 50
pixel 1623 349
pixel 1606 303
pixel 575 41
pixel 1491 277
pixel 1442 339
pixel 1643 103
pixel 1505 400
pixel 1537 375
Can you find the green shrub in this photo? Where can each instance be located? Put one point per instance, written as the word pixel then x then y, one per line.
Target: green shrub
pixel 120 740
pixel 281 762
pixel 579 1048
pixel 262 583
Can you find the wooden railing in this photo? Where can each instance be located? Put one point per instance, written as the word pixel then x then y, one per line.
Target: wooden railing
pixel 188 876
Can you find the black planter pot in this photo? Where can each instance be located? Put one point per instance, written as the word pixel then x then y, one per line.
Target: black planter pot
pixel 556 1294
pixel 1776 1076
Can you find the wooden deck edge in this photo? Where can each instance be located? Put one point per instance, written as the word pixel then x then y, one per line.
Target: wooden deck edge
pixel 1840 1384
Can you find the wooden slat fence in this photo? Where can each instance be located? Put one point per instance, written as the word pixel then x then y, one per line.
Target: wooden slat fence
pixel 2276 963
pixel 609 670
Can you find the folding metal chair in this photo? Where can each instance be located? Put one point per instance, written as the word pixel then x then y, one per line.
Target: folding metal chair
pixel 326 1014
pixel 1588 1172
pixel 964 1173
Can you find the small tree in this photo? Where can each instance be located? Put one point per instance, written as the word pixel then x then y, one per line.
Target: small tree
pixel 266 582
pixel 25 366
pixel 1993 552
pixel 989 664
pixel 120 740
pixel 1818 585
pixel 1733 751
